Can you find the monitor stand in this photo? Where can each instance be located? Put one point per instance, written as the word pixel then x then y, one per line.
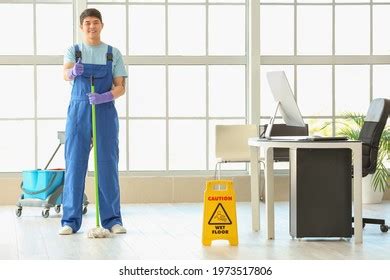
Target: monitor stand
pixel 271 122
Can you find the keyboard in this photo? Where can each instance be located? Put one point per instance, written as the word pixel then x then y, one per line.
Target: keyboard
pixel 328 138
pixel 309 138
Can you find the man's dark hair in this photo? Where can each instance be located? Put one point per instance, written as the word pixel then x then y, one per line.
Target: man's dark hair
pixel 90 13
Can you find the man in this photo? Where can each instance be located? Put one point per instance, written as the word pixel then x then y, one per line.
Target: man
pixel 92 60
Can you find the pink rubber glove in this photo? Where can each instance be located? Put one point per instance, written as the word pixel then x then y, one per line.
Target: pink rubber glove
pixel 96 98
pixel 77 70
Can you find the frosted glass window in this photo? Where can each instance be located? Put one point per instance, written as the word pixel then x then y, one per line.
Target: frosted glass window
pixel 227 91
pixel 147 145
pixel 352 84
pixel 147 30
pixel 276 1
pixel 53 93
pixel 314 30
pixel 314 90
pixel 227 30
pixel 381 23
pixel 22 44
pixel 352 1
pixel 186 30
pixel 17 83
pixel 46 1
pixel 147 91
pixel 212 157
pixel 267 103
pixel 146 1
pixel 319 127
pixel 122 149
pixel 352 30
pixel 109 1
pixel 114 30
pixel 54 40
pixel 48 142
pixel 17 146
pixel 187 91
pixel 381 81
pixel 276 30
pixel 187 145
pixel 226 1
pixel 186 1
pixel 314 1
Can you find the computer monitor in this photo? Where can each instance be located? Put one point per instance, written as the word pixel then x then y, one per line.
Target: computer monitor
pixel 285 101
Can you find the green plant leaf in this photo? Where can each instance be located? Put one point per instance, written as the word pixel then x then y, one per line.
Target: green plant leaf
pixel 380 179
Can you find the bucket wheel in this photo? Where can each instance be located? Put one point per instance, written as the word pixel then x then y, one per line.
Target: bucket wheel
pixel 45 212
pixel 57 208
pixel 18 212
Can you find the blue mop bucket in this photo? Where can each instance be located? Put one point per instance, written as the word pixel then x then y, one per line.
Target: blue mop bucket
pixel 41 183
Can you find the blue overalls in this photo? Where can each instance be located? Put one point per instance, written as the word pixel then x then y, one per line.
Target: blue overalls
pixel 78 142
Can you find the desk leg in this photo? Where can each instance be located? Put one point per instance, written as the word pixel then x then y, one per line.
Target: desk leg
pixel 255 195
pixel 269 192
pixel 357 195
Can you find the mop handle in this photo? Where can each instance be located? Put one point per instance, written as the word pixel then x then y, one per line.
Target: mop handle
pixel 95 156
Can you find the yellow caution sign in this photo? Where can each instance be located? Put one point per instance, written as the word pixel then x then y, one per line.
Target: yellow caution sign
pixel 219 212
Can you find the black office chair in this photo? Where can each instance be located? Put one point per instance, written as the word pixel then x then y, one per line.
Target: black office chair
pixel 282 154
pixel 370 135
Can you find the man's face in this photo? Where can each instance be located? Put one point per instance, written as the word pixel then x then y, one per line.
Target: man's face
pixel 92 27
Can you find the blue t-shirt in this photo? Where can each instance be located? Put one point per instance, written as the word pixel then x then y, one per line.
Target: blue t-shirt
pixel 97 55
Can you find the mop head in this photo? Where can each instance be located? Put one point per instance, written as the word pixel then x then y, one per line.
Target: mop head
pixel 99 232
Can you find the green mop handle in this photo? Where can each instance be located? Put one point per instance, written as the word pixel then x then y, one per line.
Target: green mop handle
pixel 95 156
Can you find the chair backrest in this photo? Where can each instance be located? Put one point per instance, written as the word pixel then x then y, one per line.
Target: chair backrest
pixel 370 134
pixel 281 154
pixel 231 141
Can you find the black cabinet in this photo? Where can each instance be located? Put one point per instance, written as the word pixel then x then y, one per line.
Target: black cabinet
pixel 320 193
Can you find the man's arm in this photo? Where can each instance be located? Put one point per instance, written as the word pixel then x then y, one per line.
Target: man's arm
pixel 119 88
pixel 68 67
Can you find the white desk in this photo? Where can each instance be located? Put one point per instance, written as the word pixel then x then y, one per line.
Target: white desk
pixel 268 145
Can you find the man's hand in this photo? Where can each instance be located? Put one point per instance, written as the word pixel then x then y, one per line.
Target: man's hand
pixel 96 98
pixel 77 70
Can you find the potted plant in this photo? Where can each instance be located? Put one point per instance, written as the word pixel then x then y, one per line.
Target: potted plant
pixel 378 182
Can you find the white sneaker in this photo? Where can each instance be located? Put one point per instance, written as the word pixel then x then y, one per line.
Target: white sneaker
pixel 65 230
pixel 116 229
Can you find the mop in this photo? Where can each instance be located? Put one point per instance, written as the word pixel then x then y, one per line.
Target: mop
pixel 98 232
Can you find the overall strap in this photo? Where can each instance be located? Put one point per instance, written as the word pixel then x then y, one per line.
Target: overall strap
pixel 77 52
pixel 109 55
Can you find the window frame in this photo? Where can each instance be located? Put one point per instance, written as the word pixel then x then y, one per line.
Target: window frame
pixel 252 60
